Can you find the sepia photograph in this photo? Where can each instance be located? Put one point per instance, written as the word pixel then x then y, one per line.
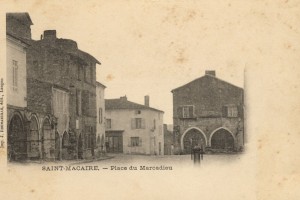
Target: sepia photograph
pixel 149 99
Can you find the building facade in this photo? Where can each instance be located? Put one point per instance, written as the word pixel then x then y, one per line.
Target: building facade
pixel 100 128
pixel 51 96
pixel 61 80
pixel 208 111
pixel 133 128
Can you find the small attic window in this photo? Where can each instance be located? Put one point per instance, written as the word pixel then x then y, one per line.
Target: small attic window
pixel 137 112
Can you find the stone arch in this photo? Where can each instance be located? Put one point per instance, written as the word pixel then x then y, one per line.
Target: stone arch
pixel 183 140
pixel 17 138
pixel 223 141
pixel 34 138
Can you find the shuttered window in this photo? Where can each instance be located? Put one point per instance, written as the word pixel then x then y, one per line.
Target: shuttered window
pixel 138 123
pixel 135 142
pixel 186 111
pixel 230 111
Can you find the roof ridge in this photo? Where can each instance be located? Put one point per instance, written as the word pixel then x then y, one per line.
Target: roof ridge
pixel 206 76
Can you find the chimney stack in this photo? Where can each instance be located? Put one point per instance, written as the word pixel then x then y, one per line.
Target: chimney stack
pixel 147 99
pixel 210 72
pixel 50 34
pixel 124 98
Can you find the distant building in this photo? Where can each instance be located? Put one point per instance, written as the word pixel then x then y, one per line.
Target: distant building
pixel 133 128
pixel 21 134
pixel 208 110
pixel 168 141
pixel 100 128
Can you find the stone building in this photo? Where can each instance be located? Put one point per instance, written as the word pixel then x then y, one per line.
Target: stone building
pixel 100 128
pixel 208 111
pixel 51 95
pixel 22 125
pixel 133 128
pixel 61 80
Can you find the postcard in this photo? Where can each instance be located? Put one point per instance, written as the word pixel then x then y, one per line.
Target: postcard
pixel 149 100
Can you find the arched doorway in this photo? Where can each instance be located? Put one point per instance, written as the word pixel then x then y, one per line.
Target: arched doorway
pixel 222 139
pixel 34 139
pixel 191 138
pixel 17 139
pixel 48 141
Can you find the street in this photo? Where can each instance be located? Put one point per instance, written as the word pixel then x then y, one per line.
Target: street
pixel 168 160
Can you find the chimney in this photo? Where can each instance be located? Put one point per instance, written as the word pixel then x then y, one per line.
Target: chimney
pixel 50 34
pixel 124 98
pixel 147 99
pixel 210 72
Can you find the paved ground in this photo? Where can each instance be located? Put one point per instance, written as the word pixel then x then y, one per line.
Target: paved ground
pixel 123 159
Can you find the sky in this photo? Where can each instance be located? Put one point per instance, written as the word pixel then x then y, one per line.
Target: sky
pixel 152 47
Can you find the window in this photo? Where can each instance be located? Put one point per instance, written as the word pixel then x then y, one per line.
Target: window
pixel 137 123
pixel 91 75
pixel 80 72
pixel 135 142
pixel 108 123
pixel 78 102
pixel 15 75
pixel 154 124
pixel 100 115
pixel 87 74
pixel 85 98
pixel 186 111
pixel 230 111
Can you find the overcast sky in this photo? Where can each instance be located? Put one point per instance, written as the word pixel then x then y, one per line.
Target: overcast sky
pixel 151 48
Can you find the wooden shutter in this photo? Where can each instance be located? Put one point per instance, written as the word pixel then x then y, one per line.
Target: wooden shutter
pixel 140 141
pixel 143 123
pixel 191 111
pixel 224 111
pixel 180 112
pixel 133 124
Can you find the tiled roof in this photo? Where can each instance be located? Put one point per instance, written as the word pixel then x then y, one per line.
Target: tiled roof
pixel 100 84
pixel 206 76
pixel 123 103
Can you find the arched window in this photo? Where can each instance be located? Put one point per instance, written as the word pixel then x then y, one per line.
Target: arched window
pixel 17 139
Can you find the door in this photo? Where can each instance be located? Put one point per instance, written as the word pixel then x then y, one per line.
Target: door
pixel 115 142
